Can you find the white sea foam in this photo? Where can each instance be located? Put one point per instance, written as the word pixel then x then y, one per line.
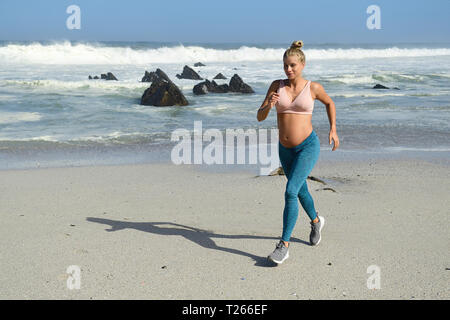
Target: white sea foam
pixel 398 149
pixel 386 93
pixel 349 79
pixel 368 95
pixel 216 109
pixel 75 85
pixel 44 138
pixel 66 53
pixel 37 138
pixel 6 97
pixel 13 117
pixel 109 136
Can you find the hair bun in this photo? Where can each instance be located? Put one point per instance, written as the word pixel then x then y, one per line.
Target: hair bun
pixel 297 44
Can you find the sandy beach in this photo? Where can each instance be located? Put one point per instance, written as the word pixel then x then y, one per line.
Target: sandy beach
pixel 161 231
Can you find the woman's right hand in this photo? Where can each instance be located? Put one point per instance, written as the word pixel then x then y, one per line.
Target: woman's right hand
pixel 273 99
pixel 269 101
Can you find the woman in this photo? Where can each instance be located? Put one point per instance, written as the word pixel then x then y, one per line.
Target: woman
pixel 298 145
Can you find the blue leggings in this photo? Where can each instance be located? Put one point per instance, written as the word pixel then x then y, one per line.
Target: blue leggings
pixel 297 163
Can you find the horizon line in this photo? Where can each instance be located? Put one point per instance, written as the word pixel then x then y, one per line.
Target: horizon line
pixel 224 42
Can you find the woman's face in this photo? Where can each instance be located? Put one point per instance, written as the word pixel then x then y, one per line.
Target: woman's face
pixel 293 67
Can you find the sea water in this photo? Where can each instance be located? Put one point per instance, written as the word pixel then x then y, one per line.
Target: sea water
pixel 51 115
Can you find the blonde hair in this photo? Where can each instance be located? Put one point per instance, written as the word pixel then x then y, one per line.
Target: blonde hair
pixel 295 50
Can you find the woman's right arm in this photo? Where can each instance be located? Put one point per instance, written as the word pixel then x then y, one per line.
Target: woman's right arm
pixel 269 101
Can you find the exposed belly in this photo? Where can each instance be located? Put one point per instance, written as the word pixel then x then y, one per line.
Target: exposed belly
pixel 293 128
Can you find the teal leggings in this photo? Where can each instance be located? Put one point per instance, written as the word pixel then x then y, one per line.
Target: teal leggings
pixel 297 163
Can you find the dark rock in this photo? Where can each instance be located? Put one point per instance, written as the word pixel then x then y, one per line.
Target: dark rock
pixel 219 76
pixel 223 88
pixel 199 64
pixel 379 86
pixel 96 77
pixel 108 76
pixel 316 179
pixel 155 75
pixel 237 85
pixel 189 73
pixel 277 172
pixel 208 86
pixel 331 189
pixel 149 76
pixel 90 78
pixel 163 93
pixel 201 88
pixel 162 75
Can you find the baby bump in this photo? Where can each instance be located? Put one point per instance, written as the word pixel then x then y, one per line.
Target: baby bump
pixel 293 129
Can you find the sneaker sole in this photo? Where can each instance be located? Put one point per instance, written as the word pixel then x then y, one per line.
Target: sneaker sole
pixel 320 230
pixel 281 261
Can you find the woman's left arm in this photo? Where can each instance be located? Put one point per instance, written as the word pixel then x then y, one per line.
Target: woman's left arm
pixel 322 96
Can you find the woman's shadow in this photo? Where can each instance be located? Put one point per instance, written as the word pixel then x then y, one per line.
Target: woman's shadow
pixel 198 236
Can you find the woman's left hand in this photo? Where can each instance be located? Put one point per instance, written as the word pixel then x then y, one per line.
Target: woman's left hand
pixel 333 136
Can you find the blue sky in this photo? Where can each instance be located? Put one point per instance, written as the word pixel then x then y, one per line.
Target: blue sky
pixel 214 21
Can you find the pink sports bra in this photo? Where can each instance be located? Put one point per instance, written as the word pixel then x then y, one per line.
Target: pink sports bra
pixel 302 104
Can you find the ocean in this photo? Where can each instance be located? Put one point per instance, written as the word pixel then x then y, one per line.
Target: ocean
pixel 51 115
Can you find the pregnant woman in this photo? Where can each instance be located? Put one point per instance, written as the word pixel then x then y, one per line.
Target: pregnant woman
pixel 299 145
